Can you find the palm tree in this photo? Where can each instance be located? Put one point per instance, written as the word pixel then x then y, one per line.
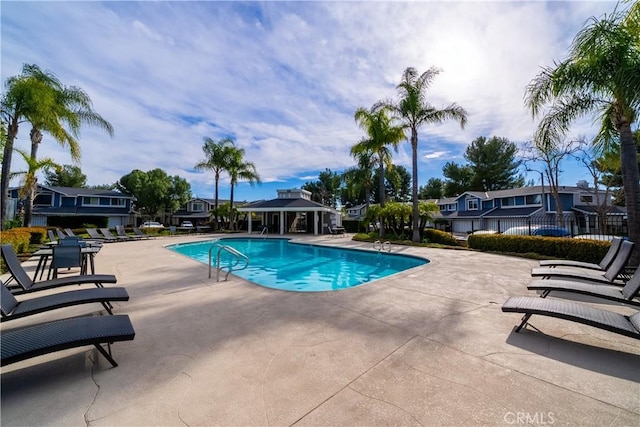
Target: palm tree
pixel 29 180
pixel 238 169
pixel 381 134
pixel 217 160
pixel 415 111
pixel 601 75
pixel 359 179
pixel 27 98
pixel 68 110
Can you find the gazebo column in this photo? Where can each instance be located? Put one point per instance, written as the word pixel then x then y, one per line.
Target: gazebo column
pixel 315 223
pixel 249 222
pixel 282 219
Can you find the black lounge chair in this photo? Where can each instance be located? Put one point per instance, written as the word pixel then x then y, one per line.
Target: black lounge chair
pixel 25 284
pixel 142 234
pixel 121 233
pixel 11 308
pixel 35 340
pixel 604 263
pixel 580 313
pixel 95 235
pixel 616 267
pixel 107 233
pixel 626 295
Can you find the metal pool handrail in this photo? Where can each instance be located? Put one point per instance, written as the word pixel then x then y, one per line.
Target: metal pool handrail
pixel 380 245
pixel 239 256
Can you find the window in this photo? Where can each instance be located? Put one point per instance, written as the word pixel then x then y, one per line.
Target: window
pixel 43 199
pixel 532 199
pixel 472 204
pixel 586 199
pixel 197 207
pixel 118 202
pixel 86 201
pixel 508 201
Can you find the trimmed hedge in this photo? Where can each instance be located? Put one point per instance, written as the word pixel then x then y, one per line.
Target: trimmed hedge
pixel 20 238
pixel 552 247
pixel 431 235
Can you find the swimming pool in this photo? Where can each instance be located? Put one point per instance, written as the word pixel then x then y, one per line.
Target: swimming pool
pixel 280 264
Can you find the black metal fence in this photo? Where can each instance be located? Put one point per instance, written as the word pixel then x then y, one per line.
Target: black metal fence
pixel 566 225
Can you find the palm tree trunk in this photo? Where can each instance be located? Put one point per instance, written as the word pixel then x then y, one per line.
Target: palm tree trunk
pixel 630 174
pixel 215 204
pixel 12 132
pixel 36 139
pixel 231 223
pixel 416 214
pixel 382 195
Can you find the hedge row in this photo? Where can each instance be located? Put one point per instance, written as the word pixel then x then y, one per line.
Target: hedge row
pixel 431 235
pixel 552 247
pixel 20 238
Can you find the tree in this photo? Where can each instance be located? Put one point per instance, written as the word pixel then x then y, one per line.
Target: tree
pixel 66 176
pixel 398 183
pixel 551 153
pixel 596 165
pixel 327 189
pixel 29 179
pixel 601 76
pixel 458 179
pixel 238 168
pixel 415 111
pixel 358 181
pixel 27 98
pixel 494 164
pixel 433 190
pixel 381 134
pixel 217 158
pixel 155 191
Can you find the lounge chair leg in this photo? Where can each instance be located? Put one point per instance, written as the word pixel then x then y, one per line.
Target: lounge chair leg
pixel 545 293
pixel 525 319
pixel 106 354
pixel 107 307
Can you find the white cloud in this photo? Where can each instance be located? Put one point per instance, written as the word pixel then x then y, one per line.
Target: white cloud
pixel 283 78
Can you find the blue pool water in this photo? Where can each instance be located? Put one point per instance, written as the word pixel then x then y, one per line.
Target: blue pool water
pixel 279 264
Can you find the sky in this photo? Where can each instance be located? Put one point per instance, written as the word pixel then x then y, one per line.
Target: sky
pixel 283 79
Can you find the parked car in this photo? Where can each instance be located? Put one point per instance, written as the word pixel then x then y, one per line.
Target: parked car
pixel 151 224
pixel 605 237
pixel 545 231
pixel 186 224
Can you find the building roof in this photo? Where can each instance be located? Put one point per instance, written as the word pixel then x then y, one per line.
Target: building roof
pixel 513 212
pixel 75 192
pixel 291 204
pixel 592 210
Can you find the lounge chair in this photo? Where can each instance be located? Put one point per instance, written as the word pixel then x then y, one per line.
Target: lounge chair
pixel 26 285
pixel 70 232
pixel 580 313
pixel 60 234
pixel 616 267
pixel 604 263
pixel 95 235
pixel 142 234
pixel 107 233
pixel 66 255
pixel 35 340
pixel 11 308
pixel 121 233
pixel 626 295
pixel 52 237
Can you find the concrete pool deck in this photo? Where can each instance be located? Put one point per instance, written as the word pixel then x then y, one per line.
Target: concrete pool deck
pixel 429 346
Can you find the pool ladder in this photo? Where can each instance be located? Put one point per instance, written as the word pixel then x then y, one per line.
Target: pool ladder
pixel 380 246
pixel 238 258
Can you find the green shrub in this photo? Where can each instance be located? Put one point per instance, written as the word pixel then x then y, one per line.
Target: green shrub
pixel 549 247
pixel 19 238
pixel 431 235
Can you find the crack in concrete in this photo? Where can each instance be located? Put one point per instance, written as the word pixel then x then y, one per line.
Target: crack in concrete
pixel 183 397
pixel 386 402
pixel 353 380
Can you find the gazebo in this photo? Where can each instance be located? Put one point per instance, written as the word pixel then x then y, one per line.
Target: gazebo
pixel 293 212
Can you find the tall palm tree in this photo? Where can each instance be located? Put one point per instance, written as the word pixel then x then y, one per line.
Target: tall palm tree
pixel 27 98
pixel 217 159
pixel 415 110
pixel 239 169
pixel 601 75
pixel 381 134
pixel 68 109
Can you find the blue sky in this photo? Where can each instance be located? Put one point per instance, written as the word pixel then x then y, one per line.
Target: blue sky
pixel 284 78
